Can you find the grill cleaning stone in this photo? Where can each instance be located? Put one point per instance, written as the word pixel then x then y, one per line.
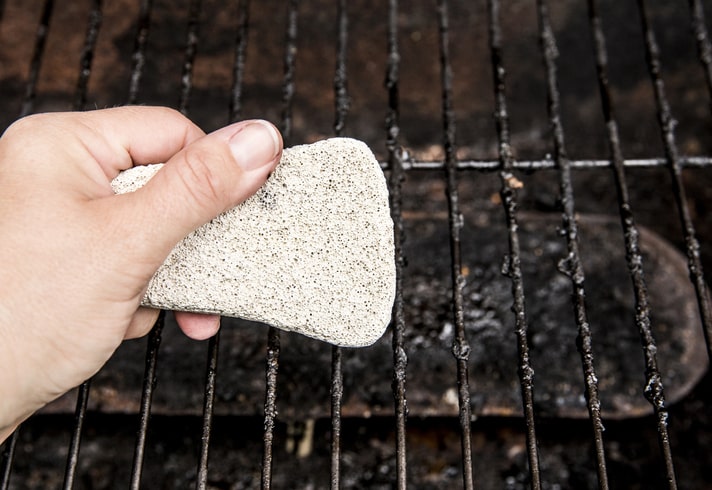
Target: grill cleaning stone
pixel 310 252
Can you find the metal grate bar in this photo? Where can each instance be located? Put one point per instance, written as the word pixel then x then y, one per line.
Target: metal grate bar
pixel 214 342
pixel 551 164
pixel 290 59
pixel 341 108
pixel 27 107
pixel 273 339
pixel 395 164
pixel 79 417
pixel 8 454
pixel 704 47
pixel 572 265
pixel 653 382
pixel 138 60
pixel 208 406
pixel 337 392
pixel 28 101
pixel 667 129
pixel 512 264
pixel 238 70
pixel 149 384
pixel 270 405
pixel 80 98
pixel 92 33
pixel 341 95
pixel 460 345
pixel 191 49
pixel 138 57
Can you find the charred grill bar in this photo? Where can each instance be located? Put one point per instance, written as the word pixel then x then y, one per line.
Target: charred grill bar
pixel 452 167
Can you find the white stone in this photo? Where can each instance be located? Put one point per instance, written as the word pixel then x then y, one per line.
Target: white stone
pixel 310 252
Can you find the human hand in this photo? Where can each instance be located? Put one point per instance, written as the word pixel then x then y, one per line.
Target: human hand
pixel 76 259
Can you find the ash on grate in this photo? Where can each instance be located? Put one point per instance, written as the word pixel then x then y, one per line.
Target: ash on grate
pixel 304 365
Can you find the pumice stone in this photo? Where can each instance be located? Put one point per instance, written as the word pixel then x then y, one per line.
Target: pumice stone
pixel 311 252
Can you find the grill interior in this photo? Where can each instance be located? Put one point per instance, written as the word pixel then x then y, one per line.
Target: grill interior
pixel 535 154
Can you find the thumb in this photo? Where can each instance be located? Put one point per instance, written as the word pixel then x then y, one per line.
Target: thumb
pixel 207 177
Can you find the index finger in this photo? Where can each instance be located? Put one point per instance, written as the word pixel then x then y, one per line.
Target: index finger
pixel 138 135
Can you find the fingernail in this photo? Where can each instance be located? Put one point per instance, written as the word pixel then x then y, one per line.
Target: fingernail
pixel 255 145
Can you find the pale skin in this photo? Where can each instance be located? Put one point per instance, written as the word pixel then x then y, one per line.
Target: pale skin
pixel 76 259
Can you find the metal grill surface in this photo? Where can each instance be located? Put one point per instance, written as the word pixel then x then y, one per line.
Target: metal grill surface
pixel 444 113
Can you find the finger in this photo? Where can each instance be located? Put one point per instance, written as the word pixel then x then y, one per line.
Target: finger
pixel 209 176
pixel 114 138
pixel 198 326
pixel 138 135
pixel 142 322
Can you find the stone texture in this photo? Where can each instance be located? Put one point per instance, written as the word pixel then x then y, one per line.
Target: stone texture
pixel 310 252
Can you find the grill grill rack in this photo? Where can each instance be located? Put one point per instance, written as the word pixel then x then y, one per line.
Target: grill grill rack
pixel 397 164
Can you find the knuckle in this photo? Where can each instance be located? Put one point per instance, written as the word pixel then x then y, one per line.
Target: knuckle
pixel 25 125
pixel 201 177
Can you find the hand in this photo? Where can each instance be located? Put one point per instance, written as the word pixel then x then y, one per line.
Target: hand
pixel 75 259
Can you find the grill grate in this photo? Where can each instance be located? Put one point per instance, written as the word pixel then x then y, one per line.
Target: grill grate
pixel 451 167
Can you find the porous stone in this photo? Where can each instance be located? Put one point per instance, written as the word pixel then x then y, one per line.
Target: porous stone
pixel 310 252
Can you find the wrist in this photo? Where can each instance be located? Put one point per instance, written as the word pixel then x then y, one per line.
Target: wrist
pixel 17 402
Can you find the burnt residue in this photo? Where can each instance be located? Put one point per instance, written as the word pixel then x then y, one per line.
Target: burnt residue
pixel 572 265
pixel 290 59
pixel 85 64
pixel 672 154
pixel 149 385
pixel 396 178
pixel 513 267
pixel 460 345
pixel 654 390
pixel 28 101
pixel 138 56
pixel 341 109
pixel 423 450
pixel 238 67
pixel 191 49
pixel 270 404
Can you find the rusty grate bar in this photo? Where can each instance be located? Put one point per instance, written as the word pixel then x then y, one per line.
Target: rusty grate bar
pixel 138 60
pixel 92 32
pixel 667 130
pixel 138 57
pixel 572 265
pixel 341 109
pixel 208 406
pixel 512 263
pixel 460 345
pixel 337 392
pixel 149 384
pixel 395 164
pixel 551 164
pixel 290 61
pixel 8 454
pixel 341 94
pixel 191 49
pixel 653 390
pixel 70 471
pixel 238 70
pixel 273 340
pixel 94 24
pixel 273 347
pixel 704 47
pixel 28 102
